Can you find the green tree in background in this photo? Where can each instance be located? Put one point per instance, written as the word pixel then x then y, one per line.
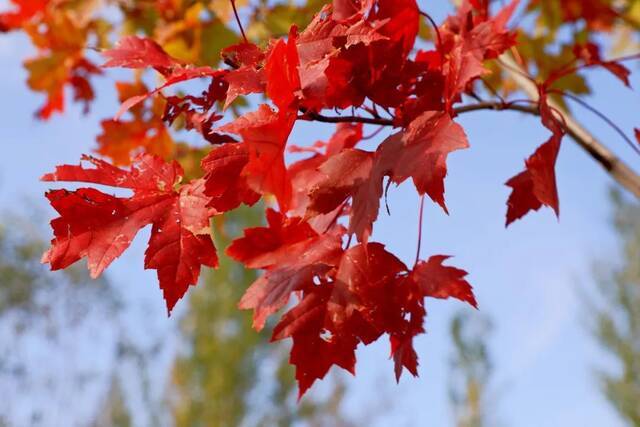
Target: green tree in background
pixel 114 411
pixel 617 324
pixel 229 374
pixel 470 369
pixel 43 316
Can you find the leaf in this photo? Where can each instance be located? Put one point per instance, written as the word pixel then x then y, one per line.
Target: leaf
pixel 281 72
pixel 426 144
pixel 243 81
pixel 352 174
pixel 25 10
pixel 248 75
pixel 101 227
pixel 469 42
pixel 224 183
pixel 335 315
pixel 120 141
pixel 292 252
pixel 590 54
pixel 265 247
pixel 438 281
pixel 177 76
pixel 138 52
pixel 536 185
pixel 315 350
pixel 344 174
pixel 265 134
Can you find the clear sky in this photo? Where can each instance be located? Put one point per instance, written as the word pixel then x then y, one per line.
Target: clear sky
pixel 530 279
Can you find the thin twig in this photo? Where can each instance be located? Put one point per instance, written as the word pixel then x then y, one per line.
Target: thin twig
pixel 235 12
pixel 606 119
pixel 420 218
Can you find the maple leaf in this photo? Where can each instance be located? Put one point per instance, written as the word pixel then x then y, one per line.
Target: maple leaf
pixel 590 54
pixel 355 174
pixel 25 10
pixel 177 76
pixel 281 72
pixel 292 252
pixel 637 133
pixel 264 247
pixel 101 227
pixel 345 9
pixel 334 316
pixel 224 183
pixel 536 185
pixel 598 14
pixel 402 22
pixel 365 282
pixel 423 154
pixel 344 173
pixel 467 48
pixel 140 52
pixel 248 75
pixel 438 281
pixel 243 54
pixel 315 350
pixel 265 134
pixel 402 350
pixel 244 81
pixel 327 78
pixel 122 141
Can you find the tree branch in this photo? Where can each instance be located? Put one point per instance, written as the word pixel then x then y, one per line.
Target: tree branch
pixel 487 105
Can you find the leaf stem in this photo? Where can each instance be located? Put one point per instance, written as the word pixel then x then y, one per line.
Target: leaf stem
pixel 606 119
pixel 420 218
pixel 235 12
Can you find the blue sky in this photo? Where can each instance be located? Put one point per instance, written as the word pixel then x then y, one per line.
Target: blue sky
pixel 530 279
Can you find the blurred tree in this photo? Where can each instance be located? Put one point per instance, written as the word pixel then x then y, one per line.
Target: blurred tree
pixel 229 374
pixel 114 411
pixel 617 324
pixel 42 319
pixel 470 369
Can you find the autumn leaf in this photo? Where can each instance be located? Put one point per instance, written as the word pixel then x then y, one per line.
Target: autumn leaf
pixel 100 227
pixel 137 52
pixel 536 185
pixel 265 134
pixel 224 183
pixel 423 154
pixel 281 72
pixel 438 281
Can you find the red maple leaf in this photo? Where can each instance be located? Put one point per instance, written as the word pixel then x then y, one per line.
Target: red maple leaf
pixel 590 54
pixel 248 74
pixel 265 134
pixel 536 185
pixel 224 183
pixel 435 280
pixel 101 227
pixel 345 308
pixel 281 72
pixel 140 52
pixel 422 155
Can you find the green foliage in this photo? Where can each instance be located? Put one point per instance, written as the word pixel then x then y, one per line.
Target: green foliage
pixel 470 369
pixel 114 411
pixel 617 324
